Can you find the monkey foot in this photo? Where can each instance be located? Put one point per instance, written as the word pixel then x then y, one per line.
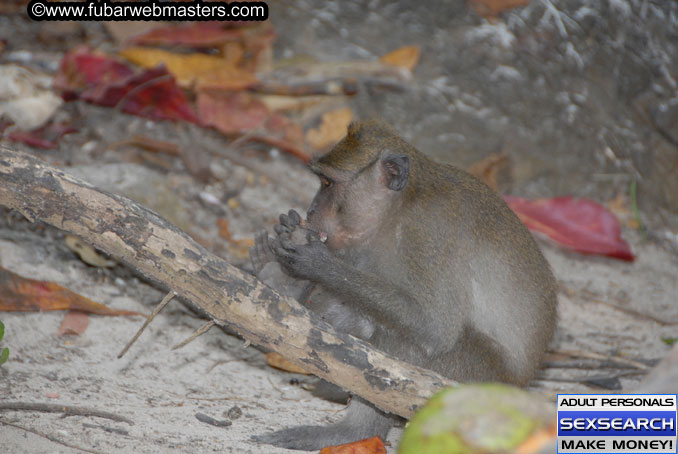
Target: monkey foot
pixel 307 438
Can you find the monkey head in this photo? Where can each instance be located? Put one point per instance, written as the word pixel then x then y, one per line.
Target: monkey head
pixel 361 182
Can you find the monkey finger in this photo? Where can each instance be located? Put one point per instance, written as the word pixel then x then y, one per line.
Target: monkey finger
pixel 284 237
pixel 256 254
pixel 258 236
pixel 272 243
pixel 268 243
pixel 294 217
pixel 260 240
pixel 281 229
pixel 261 253
pixel 286 243
pixel 254 260
pixel 266 246
pixel 286 221
pixel 283 256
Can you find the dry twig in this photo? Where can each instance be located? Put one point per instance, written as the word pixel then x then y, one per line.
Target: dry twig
pixel 68 410
pixel 150 318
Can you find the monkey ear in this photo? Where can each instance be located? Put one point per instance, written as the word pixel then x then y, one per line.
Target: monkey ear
pixel 397 170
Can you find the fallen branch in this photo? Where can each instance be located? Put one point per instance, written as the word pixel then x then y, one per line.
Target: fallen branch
pixel 68 410
pixel 166 255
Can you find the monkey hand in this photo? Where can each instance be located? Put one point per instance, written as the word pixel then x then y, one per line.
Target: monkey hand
pixel 262 253
pixel 303 261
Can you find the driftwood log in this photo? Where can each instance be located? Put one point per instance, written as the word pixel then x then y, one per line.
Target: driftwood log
pixel 167 256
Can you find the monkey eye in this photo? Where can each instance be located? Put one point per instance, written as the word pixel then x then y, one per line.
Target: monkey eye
pixel 326 182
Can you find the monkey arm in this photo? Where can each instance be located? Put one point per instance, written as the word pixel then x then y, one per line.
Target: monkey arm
pixel 391 305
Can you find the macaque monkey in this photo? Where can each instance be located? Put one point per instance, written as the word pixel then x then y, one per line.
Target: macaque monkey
pixel 418 258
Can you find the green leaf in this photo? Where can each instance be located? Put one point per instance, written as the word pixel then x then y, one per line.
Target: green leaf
pixel 4 354
pixel 666 340
pixel 2 330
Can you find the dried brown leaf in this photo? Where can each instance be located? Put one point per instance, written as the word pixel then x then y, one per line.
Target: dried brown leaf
pixel 492 8
pixel 87 253
pixel 405 57
pixel 277 361
pixel 331 129
pixel 488 168
pixel 18 293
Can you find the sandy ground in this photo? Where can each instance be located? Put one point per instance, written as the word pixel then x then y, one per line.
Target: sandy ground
pixel 161 390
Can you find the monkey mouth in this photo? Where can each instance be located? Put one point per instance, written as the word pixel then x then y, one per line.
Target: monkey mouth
pixel 322 235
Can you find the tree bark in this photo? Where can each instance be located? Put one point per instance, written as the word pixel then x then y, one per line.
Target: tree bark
pixel 161 252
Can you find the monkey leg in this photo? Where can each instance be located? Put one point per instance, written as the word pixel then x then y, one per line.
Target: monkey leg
pixel 361 421
pixel 330 391
pixel 477 357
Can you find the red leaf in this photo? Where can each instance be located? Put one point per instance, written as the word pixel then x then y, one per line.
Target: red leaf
pixel 238 113
pixel 199 34
pixel 232 113
pixel 241 113
pixel 152 93
pixel 102 80
pixel 579 224
pixel 81 70
pixel 43 137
